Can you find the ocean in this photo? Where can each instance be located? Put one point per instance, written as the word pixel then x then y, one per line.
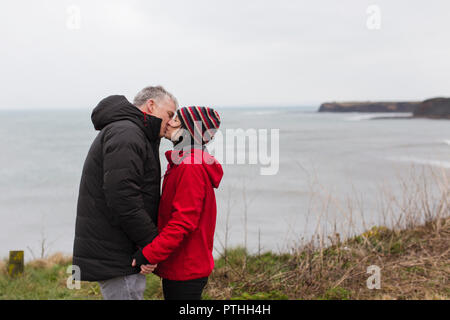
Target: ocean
pixel 329 164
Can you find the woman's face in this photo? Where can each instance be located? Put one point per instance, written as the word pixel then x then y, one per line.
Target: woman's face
pixel 173 125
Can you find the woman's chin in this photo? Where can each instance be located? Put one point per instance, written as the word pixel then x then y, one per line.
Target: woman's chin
pixel 168 135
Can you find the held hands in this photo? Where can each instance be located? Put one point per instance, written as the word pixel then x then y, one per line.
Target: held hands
pixel 139 260
pixel 145 268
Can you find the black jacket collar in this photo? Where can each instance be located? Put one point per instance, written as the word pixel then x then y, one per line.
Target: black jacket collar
pixel 117 107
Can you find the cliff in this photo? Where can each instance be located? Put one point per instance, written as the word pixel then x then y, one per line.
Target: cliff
pixel 368 106
pixel 433 108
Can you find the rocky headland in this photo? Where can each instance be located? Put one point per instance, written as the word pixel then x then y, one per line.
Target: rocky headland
pixel 436 108
pixel 368 106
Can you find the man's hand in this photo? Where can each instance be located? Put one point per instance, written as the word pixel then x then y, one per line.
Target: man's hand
pixel 140 261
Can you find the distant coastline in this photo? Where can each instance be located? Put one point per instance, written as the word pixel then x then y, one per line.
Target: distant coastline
pixel 436 108
pixel 368 106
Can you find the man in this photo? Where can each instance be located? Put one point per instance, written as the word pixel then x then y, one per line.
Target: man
pixel 120 190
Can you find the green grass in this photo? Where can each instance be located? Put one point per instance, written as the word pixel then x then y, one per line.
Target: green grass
pixel 337 293
pixel 50 283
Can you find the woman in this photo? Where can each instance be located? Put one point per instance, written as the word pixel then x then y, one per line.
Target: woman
pixel 187 211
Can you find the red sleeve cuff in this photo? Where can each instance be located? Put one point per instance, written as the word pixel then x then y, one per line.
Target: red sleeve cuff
pixel 147 252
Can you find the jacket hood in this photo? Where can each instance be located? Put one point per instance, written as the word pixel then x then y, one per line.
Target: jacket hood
pixel 197 156
pixel 116 108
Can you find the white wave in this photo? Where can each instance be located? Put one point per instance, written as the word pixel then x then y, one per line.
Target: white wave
pixel 369 116
pixel 447 142
pixel 361 117
pixel 436 163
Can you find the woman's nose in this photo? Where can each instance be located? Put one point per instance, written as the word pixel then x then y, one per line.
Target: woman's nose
pixel 173 123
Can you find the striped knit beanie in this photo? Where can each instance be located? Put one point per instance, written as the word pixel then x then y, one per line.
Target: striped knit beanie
pixel 201 122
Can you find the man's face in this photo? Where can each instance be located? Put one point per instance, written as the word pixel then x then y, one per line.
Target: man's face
pixel 163 109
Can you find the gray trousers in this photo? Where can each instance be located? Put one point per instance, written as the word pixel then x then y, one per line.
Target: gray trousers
pixel 130 287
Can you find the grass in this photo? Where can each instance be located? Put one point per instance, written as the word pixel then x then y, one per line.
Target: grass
pixel 47 279
pixel 414 265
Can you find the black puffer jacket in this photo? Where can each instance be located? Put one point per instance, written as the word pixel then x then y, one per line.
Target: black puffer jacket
pixel 119 191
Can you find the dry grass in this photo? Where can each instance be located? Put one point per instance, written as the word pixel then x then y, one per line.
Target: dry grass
pixel 3 267
pixel 412 252
pixel 414 264
pixel 55 259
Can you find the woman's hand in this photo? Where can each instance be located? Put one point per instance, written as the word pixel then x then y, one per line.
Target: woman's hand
pixel 148 268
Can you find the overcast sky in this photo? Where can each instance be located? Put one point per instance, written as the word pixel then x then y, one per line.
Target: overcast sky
pixel 222 53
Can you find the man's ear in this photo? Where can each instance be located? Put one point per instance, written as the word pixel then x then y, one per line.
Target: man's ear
pixel 150 106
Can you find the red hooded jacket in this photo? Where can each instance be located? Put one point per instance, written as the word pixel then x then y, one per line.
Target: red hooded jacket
pixel 186 217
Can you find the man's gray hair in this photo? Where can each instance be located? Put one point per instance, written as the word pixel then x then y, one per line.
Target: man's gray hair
pixel 157 93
